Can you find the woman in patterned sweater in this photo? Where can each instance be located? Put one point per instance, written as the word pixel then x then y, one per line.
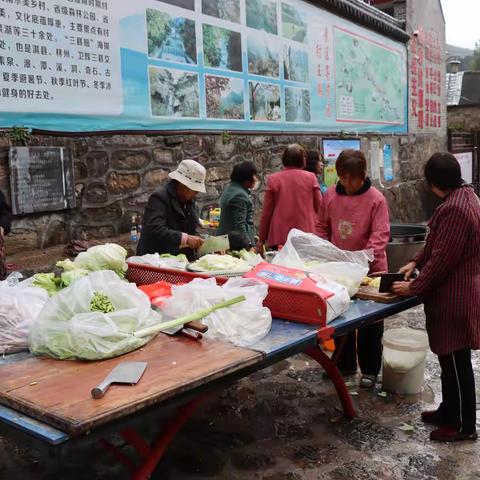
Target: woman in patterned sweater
pixel 449 284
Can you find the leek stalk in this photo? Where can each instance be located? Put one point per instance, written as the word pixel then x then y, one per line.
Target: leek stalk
pixel 145 332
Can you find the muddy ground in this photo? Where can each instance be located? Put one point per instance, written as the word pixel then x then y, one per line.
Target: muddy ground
pixel 284 423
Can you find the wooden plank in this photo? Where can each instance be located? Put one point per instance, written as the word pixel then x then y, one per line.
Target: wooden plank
pixel 367 292
pixel 58 392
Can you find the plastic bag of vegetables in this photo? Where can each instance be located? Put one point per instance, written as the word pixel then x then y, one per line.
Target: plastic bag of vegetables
pixel 20 304
pixel 93 319
pixel 310 253
pixel 242 324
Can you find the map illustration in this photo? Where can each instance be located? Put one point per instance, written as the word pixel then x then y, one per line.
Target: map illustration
pixel 367 81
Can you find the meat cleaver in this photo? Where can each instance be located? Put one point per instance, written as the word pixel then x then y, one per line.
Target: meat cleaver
pixel 125 372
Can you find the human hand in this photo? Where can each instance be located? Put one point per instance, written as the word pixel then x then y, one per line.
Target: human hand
pixel 408 269
pixel 402 288
pixel 260 248
pixel 194 242
pixel 2 232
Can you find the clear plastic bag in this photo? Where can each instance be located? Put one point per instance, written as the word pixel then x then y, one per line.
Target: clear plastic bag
pixel 67 328
pixel 20 304
pixel 308 252
pixel 155 260
pixel 243 324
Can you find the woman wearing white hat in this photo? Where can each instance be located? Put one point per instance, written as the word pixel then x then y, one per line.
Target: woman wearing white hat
pixel 171 216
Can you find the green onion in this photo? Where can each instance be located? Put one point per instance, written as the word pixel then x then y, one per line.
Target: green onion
pixel 145 332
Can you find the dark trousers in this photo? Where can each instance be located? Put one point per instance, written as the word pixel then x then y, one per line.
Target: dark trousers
pixel 367 342
pixel 458 406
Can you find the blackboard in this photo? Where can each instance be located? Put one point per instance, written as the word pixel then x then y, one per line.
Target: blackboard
pixel 41 179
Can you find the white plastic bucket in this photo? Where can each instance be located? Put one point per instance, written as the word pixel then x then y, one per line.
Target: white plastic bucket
pixel 404 353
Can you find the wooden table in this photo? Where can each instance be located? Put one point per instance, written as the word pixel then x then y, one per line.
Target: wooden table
pixel 48 401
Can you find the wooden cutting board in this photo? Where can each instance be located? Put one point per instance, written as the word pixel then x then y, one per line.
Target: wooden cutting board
pixel 367 292
pixel 58 392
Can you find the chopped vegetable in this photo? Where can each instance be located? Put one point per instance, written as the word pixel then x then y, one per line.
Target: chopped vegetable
pixel 220 263
pixel 180 257
pixel 406 427
pixel 49 282
pixel 101 303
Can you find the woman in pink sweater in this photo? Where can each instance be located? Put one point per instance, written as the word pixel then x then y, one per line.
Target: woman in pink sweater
pixel 292 200
pixel 355 217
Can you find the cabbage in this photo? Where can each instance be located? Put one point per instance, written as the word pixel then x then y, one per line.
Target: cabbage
pixel 220 263
pixel 103 257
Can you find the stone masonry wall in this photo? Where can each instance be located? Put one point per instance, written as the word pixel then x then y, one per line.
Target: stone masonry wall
pixel 464 118
pixel 115 174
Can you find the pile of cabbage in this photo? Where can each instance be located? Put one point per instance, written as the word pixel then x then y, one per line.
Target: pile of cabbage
pixel 100 257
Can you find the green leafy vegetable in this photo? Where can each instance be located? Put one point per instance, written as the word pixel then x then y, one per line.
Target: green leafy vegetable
pixel 49 282
pixel 103 257
pixel 220 263
pixel 71 275
pixel 101 303
pixel 180 257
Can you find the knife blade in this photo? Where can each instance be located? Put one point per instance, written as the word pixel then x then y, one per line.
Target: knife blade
pixel 215 244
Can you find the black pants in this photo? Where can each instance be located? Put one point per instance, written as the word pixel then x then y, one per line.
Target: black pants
pixel 368 342
pixel 458 406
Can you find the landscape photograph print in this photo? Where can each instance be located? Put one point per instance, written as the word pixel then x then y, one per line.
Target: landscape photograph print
pixel 262 15
pixel 189 4
pixel 263 56
pixel 224 9
pixel 171 38
pixel 265 102
pixel 222 48
pixel 295 64
pixel 173 93
pixel 224 97
pixel 294 23
pixel 297 105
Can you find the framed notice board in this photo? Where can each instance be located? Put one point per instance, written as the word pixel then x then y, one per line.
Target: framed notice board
pixel 41 179
pixel 332 147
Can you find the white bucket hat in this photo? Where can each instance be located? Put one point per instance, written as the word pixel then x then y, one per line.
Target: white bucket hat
pixel 191 174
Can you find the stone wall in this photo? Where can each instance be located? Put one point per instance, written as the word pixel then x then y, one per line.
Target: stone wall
pixel 115 174
pixel 464 118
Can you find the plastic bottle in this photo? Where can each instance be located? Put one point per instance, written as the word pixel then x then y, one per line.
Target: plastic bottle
pixel 133 230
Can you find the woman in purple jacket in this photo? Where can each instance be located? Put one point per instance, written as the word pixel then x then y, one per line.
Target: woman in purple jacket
pixel 449 284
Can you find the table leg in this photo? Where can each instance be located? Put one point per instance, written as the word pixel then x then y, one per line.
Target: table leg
pixel 151 454
pixel 332 371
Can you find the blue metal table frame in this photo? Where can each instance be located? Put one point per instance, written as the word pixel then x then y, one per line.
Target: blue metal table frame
pixel 284 340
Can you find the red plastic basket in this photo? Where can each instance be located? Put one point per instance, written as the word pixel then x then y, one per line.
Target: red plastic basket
pixel 284 302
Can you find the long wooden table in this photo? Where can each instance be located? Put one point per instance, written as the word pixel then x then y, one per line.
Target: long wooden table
pixel 48 402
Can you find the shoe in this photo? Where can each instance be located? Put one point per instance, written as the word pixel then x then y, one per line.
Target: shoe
pixel 450 434
pixel 367 381
pixel 433 417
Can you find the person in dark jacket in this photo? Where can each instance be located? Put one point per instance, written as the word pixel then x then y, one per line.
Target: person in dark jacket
pixel 171 217
pixel 236 203
pixel 449 284
pixel 5 225
pixel 315 164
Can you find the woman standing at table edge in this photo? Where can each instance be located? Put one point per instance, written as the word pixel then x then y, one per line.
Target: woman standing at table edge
pixel 355 217
pixel 449 284
pixel 5 225
pixel 292 200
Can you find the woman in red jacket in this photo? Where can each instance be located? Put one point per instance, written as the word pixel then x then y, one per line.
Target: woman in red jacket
pixel 355 217
pixel 449 284
pixel 292 200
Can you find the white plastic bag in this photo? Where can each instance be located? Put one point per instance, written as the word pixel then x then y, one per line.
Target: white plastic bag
pixel 348 274
pixel 67 328
pixel 339 302
pixel 20 304
pixel 243 324
pixel 308 252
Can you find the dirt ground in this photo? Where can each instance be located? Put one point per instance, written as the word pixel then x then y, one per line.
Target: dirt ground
pixel 284 423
